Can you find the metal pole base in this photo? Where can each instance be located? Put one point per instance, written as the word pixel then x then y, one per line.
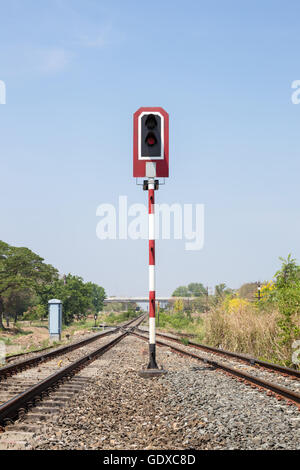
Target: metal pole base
pixel 152 369
pixel 152 357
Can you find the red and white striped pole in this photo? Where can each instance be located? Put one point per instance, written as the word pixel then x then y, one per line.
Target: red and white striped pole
pixel 152 353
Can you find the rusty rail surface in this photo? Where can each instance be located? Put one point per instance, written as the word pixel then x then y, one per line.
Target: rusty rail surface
pixel 243 357
pixel 9 410
pixel 282 391
pixel 33 361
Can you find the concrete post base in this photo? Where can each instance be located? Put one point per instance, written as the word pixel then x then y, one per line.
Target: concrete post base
pixel 55 337
pixel 150 373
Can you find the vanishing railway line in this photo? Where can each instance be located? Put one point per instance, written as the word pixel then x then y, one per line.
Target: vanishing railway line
pixel 34 391
pixel 40 356
pixel 256 377
pixel 24 383
pixel 286 371
pixel 16 357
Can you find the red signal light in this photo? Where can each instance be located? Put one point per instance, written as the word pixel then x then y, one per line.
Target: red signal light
pixel 151 139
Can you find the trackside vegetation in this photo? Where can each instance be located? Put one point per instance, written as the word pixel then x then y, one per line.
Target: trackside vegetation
pixel 27 283
pixel 266 326
pixel 259 319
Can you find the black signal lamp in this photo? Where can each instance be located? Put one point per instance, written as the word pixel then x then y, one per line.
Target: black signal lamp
pixel 151 122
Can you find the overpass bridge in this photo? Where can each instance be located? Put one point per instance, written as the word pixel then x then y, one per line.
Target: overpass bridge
pixel 144 300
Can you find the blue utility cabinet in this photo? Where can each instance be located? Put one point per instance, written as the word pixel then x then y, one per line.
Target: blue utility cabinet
pixel 55 318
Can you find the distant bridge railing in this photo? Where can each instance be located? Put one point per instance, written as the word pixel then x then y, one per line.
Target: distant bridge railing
pixel 139 300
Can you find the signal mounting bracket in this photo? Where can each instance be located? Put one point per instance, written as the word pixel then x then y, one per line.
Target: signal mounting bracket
pixel 146 185
pixel 157 181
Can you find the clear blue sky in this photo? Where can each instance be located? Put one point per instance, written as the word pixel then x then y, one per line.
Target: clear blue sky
pixel 76 70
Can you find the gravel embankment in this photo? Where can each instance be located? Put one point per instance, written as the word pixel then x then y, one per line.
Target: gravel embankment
pixel 192 406
pixel 265 374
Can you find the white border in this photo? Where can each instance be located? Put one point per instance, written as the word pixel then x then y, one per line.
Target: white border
pixel 162 131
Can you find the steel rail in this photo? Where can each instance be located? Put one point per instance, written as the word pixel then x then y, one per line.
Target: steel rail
pixel 31 362
pixel 9 410
pixel 285 392
pixel 41 350
pixel 24 354
pixel 27 363
pixel 252 361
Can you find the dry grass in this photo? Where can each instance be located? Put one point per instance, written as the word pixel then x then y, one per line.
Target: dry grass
pixel 248 331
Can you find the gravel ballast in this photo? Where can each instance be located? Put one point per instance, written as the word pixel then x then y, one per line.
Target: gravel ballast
pixel 192 407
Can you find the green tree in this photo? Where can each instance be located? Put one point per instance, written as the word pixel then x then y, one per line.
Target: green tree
pixel 49 291
pixel 21 269
pixel 181 291
pixel 194 289
pixel 197 289
pixel 16 302
pixel 37 312
pixel 97 296
pixel 220 290
pixel 76 297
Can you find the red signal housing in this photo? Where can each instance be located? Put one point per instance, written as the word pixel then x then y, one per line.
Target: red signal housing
pixel 151 143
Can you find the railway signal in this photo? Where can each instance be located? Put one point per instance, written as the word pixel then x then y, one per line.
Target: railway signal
pixel 151 143
pixel 259 290
pixel 151 161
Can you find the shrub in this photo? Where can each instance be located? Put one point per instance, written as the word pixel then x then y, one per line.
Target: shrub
pixel 287 295
pixel 180 322
pixel 248 331
pixel 235 305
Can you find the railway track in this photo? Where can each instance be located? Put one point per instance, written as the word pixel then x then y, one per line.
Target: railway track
pixel 286 371
pixel 24 384
pixel 255 378
pixel 89 406
pixel 16 357
pixel 36 396
pixel 38 358
pixel 191 407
